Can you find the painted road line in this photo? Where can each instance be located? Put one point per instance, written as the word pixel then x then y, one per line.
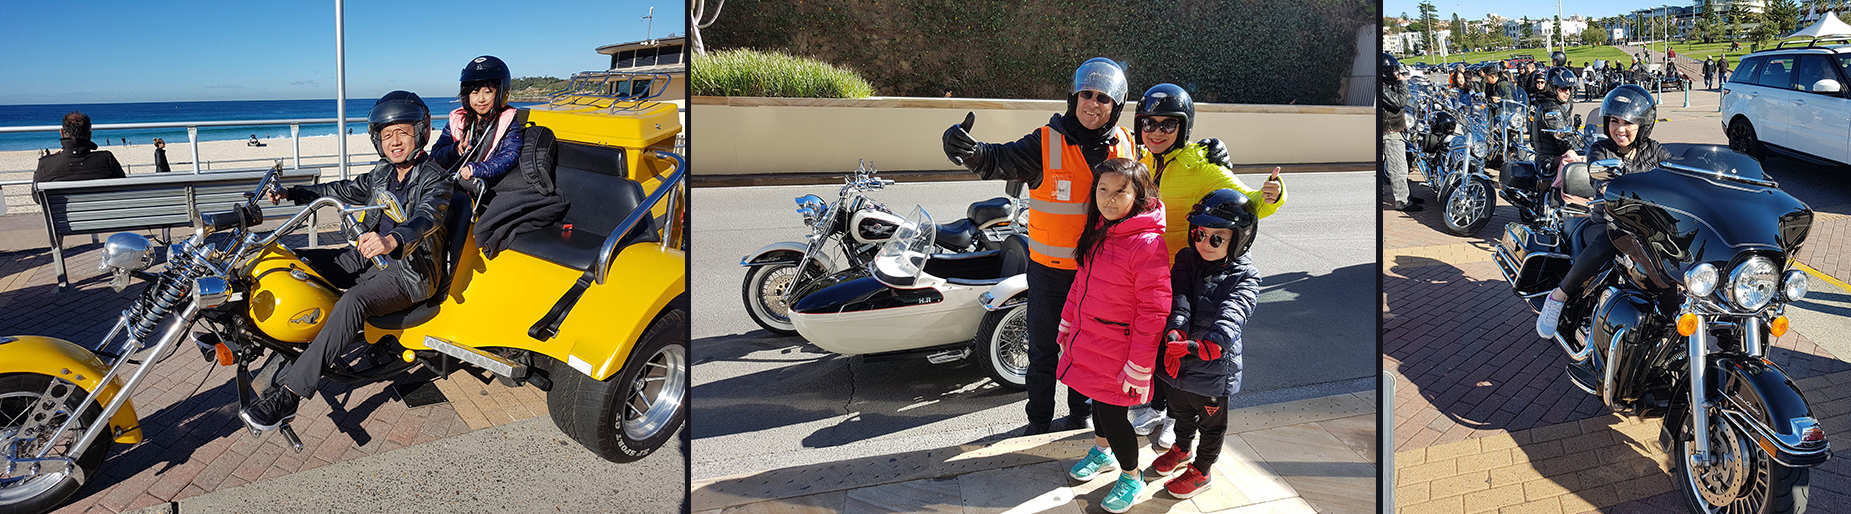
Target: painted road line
pixel 1822 276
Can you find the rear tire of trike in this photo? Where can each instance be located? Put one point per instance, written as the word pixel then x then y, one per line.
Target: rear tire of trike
pixel 593 412
pixel 20 390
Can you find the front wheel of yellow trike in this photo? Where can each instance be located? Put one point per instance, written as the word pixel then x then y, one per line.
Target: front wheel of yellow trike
pixel 627 416
pixel 29 411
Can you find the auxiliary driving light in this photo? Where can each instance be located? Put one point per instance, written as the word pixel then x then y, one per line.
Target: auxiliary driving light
pixel 1687 324
pixel 1778 327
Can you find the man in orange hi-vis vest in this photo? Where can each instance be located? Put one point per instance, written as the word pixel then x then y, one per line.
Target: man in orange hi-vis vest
pixel 1056 162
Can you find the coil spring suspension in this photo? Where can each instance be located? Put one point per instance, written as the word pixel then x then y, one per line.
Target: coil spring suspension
pixel 160 299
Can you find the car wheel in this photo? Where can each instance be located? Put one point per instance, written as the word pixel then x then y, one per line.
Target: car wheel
pixel 1742 138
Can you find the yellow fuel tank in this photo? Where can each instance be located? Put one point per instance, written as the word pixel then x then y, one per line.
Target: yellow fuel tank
pixel 288 300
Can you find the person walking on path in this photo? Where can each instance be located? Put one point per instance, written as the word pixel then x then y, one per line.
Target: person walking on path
pixel 160 156
pixel 1113 318
pixel 1394 142
pixel 1722 70
pixel 1709 72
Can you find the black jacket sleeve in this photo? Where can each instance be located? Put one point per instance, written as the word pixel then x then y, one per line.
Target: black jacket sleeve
pixel 1236 306
pixel 1182 282
pixel 1017 160
pixel 444 152
pixel 353 191
pixel 424 218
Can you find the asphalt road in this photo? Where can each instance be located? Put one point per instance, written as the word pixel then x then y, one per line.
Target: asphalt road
pixel 766 402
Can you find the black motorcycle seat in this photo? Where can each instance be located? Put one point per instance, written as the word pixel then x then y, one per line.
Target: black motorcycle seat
pixel 981 213
pixel 1571 227
pixel 956 235
pixel 591 179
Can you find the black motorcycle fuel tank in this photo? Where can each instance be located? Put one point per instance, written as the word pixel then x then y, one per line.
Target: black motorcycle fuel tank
pixel 1706 205
pixel 844 292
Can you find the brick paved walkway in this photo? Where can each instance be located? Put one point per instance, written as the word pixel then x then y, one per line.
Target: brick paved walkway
pixel 194 441
pixel 1484 420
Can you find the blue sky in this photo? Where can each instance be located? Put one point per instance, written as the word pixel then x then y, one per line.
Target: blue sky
pixel 1477 9
pixel 142 51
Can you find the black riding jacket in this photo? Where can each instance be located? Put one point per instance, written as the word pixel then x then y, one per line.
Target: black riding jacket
pixel 1553 114
pixel 421 237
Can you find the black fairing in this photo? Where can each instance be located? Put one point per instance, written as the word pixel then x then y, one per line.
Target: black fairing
pixel 1677 217
pixel 858 294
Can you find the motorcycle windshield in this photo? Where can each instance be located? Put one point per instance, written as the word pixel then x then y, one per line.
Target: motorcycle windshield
pixel 1706 205
pixel 903 258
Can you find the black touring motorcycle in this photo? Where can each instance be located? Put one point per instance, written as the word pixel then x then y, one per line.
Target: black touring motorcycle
pixel 1679 323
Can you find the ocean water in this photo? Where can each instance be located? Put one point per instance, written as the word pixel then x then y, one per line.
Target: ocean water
pixel 163 112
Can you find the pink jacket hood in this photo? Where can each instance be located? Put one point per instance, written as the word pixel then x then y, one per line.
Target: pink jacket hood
pixel 1115 313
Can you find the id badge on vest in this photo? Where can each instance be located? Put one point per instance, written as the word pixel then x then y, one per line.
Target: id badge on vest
pixel 1063 190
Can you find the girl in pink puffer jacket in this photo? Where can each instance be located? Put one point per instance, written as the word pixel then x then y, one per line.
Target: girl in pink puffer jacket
pixel 1115 314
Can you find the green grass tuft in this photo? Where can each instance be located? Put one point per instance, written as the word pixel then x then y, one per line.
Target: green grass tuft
pixel 754 73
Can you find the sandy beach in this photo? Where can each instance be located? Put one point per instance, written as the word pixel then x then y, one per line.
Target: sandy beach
pixel 138 159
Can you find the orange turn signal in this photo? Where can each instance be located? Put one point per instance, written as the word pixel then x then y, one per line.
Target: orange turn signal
pixel 408 356
pixel 224 354
pixel 1778 327
pixel 1687 324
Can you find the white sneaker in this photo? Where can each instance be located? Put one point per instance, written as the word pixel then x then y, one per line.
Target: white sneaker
pixel 1167 437
pixel 1545 320
pixel 1144 419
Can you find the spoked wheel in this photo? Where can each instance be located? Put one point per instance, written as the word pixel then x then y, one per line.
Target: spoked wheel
pixel 631 414
pixel 30 409
pixel 1469 206
pixel 1742 138
pixel 1002 340
pixel 1741 479
pixel 763 291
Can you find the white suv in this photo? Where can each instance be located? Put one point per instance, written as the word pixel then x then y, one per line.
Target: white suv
pixel 1791 101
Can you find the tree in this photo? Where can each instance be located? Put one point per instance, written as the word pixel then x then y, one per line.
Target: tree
pixel 1558 33
pixel 1529 32
pixel 1783 15
pixel 1461 40
pixel 1426 21
pixel 1739 14
pixel 696 8
pixel 1595 34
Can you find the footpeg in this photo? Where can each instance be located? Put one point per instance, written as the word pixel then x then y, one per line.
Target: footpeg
pixel 948 356
pixel 289 435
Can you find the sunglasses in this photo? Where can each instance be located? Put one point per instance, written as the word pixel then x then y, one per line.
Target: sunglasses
pixel 1197 234
pixel 1152 125
pixel 1096 96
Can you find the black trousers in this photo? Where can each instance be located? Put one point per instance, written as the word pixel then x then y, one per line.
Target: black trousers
pixel 1113 422
pixel 1047 293
pixel 1196 413
pixel 1598 252
pixel 370 292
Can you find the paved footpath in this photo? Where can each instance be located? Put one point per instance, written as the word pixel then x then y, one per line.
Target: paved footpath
pixel 196 445
pixel 1315 455
pixel 1485 421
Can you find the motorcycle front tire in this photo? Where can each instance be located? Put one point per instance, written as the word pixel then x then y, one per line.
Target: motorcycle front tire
pixel 753 292
pixel 1002 344
pixel 1460 211
pixel 593 412
pixel 1787 488
pixel 21 390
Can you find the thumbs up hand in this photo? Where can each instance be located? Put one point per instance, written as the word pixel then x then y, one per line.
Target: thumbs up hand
pixel 1273 188
pixel 959 145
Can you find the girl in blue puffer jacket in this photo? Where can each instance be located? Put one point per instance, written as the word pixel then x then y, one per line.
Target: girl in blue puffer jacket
pixel 482 135
pixel 1214 287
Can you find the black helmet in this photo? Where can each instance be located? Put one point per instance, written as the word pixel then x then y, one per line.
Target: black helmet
pixel 1631 103
pixel 485 71
pixel 1167 100
pixel 1558 59
pixel 399 107
pixel 1227 208
pixel 1389 66
pixel 1560 77
pixel 1443 123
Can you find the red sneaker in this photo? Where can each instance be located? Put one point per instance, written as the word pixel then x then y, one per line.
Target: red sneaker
pixel 1189 484
pixel 1170 460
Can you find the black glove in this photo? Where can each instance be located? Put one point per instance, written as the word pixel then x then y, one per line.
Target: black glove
pixel 959 146
pixel 1216 152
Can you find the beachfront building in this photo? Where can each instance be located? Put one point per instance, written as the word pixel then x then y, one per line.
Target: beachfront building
pixel 1391 43
pixel 667 56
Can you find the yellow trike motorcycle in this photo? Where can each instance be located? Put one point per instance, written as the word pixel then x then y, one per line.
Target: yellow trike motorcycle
pixel 592 309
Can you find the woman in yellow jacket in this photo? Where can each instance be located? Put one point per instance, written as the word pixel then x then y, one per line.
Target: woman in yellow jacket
pixel 1184 175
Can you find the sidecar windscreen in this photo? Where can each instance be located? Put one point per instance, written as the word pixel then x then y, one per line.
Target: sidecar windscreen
pixel 903 258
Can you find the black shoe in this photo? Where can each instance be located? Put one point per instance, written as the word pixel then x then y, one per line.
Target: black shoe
pixel 1416 200
pixel 1035 429
pixel 277 406
pixel 1410 207
pixel 1072 422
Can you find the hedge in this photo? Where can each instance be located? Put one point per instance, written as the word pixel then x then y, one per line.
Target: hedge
pixel 753 73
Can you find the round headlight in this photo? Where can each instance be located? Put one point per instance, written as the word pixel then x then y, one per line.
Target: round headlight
pixel 1700 280
pixel 126 251
pixel 1752 284
pixel 1794 285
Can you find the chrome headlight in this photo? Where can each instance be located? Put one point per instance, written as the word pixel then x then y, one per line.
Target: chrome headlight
pixel 126 251
pixel 1700 280
pixel 1752 284
pixel 811 207
pixel 1793 287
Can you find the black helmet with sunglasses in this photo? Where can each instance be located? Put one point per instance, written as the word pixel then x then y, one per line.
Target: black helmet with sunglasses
pixel 1229 209
pixel 1166 100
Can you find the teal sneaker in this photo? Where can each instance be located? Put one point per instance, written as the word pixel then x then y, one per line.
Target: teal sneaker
pixel 1093 464
pixel 1123 494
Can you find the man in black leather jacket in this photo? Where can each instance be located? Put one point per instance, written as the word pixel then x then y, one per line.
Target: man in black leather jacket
pixel 412 249
pixel 79 160
pixel 1555 111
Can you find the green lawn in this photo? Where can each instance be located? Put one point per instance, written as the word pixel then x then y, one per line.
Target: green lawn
pixel 1576 55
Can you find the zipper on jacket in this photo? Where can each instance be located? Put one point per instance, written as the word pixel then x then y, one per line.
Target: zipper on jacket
pixel 1109 322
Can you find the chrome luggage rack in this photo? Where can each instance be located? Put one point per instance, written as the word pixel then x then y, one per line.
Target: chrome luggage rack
pixel 589 88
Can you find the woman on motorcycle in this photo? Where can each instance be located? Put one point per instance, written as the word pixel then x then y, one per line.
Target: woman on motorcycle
pixel 1627 116
pixel 1181 170
pixel 400 125
pixel 1114 317
pixel 481 133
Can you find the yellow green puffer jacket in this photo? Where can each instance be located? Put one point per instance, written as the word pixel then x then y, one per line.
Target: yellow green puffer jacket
pixel 1186 177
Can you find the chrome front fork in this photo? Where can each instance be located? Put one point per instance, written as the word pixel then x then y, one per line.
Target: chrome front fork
pixel 183 324
pixel 1699 405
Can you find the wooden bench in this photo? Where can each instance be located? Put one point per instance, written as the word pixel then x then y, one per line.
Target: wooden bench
pixel 145 202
